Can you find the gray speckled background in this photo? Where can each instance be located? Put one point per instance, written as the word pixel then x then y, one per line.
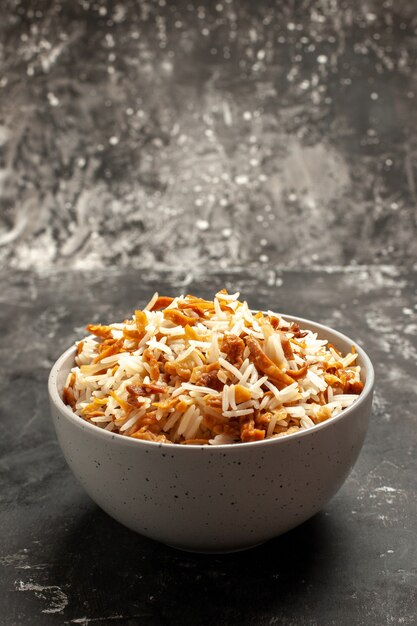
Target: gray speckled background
pixel 182 135
pixel 268 147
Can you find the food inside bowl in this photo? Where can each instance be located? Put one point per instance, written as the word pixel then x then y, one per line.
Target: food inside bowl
pixel 191 371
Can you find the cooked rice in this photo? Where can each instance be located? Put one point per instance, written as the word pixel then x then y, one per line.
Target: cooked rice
pixel 193 371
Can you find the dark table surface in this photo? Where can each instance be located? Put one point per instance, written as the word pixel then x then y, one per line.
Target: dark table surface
pixel 65 561
pixel 268 147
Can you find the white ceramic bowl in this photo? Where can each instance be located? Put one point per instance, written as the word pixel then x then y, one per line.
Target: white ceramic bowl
pixel 214 498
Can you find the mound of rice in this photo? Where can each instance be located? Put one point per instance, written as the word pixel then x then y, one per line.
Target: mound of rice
pixel 192 371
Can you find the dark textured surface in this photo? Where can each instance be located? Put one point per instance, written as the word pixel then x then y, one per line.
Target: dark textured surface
pixel 264 146
pixel 63 560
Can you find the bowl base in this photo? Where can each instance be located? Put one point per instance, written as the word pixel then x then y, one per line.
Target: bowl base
pixel 214 550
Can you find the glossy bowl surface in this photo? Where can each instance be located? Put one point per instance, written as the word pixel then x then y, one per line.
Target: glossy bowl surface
pixel 214 498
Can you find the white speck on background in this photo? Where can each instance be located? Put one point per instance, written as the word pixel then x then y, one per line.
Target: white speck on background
pixel 202 224
pixel 52 99
pixel 386 489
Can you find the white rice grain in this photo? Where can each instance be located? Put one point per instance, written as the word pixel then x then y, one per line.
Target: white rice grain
pixel 231 368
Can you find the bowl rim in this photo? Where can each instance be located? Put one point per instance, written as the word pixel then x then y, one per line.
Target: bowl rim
pixel 56 399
